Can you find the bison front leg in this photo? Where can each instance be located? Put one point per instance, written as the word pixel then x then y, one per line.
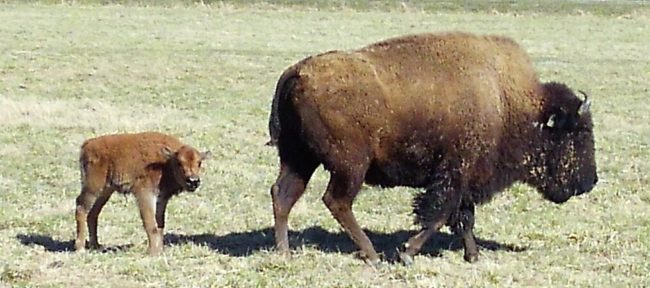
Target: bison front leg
pixel 341 191
pixel 433 209
pixel 462 223
pixel 147 203
pixel 415 243
pixel 437 216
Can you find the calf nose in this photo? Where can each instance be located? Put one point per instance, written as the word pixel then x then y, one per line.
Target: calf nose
pixel 193 181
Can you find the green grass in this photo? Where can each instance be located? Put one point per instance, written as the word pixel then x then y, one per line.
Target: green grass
pixel 207 75
pixel 608 7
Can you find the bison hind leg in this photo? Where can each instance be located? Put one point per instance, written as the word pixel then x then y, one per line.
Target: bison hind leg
pixel 297 164
pixel 344 185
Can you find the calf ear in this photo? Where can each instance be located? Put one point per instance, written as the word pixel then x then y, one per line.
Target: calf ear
pixel 206 155
pixel 167 153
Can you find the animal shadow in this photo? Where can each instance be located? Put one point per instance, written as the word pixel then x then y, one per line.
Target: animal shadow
pixel 52 245
pixel 240 244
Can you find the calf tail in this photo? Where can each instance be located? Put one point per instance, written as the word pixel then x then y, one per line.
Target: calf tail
pixel 83 164
pixel 282 90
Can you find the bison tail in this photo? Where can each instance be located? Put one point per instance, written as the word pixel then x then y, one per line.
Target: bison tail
pixel 282 91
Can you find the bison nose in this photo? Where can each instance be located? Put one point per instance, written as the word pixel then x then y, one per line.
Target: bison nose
pixel 595 179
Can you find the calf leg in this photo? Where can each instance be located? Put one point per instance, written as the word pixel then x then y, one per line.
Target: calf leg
pixel 161 207
pixel 84 202
pixel 295 171
pixel 463 226
pixel 147 203
pixel 341 191
pixel 93 216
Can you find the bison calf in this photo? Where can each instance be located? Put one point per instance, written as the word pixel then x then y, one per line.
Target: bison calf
pixel 152 166
pixel 461 115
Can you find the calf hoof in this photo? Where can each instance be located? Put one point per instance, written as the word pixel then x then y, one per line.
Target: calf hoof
pixel 286 253
pixel 79 247
pixel 471 258
pixel 154 251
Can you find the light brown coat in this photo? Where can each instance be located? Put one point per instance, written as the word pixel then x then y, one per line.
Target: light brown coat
pixel 150 165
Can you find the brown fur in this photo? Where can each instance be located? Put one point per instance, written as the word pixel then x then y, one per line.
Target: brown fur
pixel 459 114
pixel 152 166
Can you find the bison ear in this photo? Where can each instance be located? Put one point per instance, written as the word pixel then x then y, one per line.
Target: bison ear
pixel 206 155
pixel 167 153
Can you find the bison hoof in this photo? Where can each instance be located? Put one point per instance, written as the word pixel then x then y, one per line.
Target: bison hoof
pixel 375 264
pixel 471 258
pixel 405 258
pixel 406 255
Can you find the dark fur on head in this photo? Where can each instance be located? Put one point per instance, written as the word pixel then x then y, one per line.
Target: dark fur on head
pixel 566 160
pixel 558 157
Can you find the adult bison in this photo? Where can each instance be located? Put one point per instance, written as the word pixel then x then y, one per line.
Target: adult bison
pixel 461 115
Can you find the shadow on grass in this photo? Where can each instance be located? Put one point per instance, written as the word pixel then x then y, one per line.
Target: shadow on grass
pixel 52 245
pixel 241 244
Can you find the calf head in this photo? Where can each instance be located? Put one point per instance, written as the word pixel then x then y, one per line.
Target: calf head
pixel 186 165
pixel 569 163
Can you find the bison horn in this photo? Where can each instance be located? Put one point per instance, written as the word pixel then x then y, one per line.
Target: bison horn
pixel 586 104
pixel 551 121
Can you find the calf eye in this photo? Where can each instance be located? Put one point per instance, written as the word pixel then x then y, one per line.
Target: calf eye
pixel 199 164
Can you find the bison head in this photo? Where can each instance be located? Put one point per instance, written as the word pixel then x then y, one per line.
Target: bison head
pixel 186 165
pixel 567 165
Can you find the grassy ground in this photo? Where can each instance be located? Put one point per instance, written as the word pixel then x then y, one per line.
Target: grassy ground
pixel 600 7
pixel 207 74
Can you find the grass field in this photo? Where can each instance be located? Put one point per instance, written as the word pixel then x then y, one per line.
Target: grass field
pixel 207 73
